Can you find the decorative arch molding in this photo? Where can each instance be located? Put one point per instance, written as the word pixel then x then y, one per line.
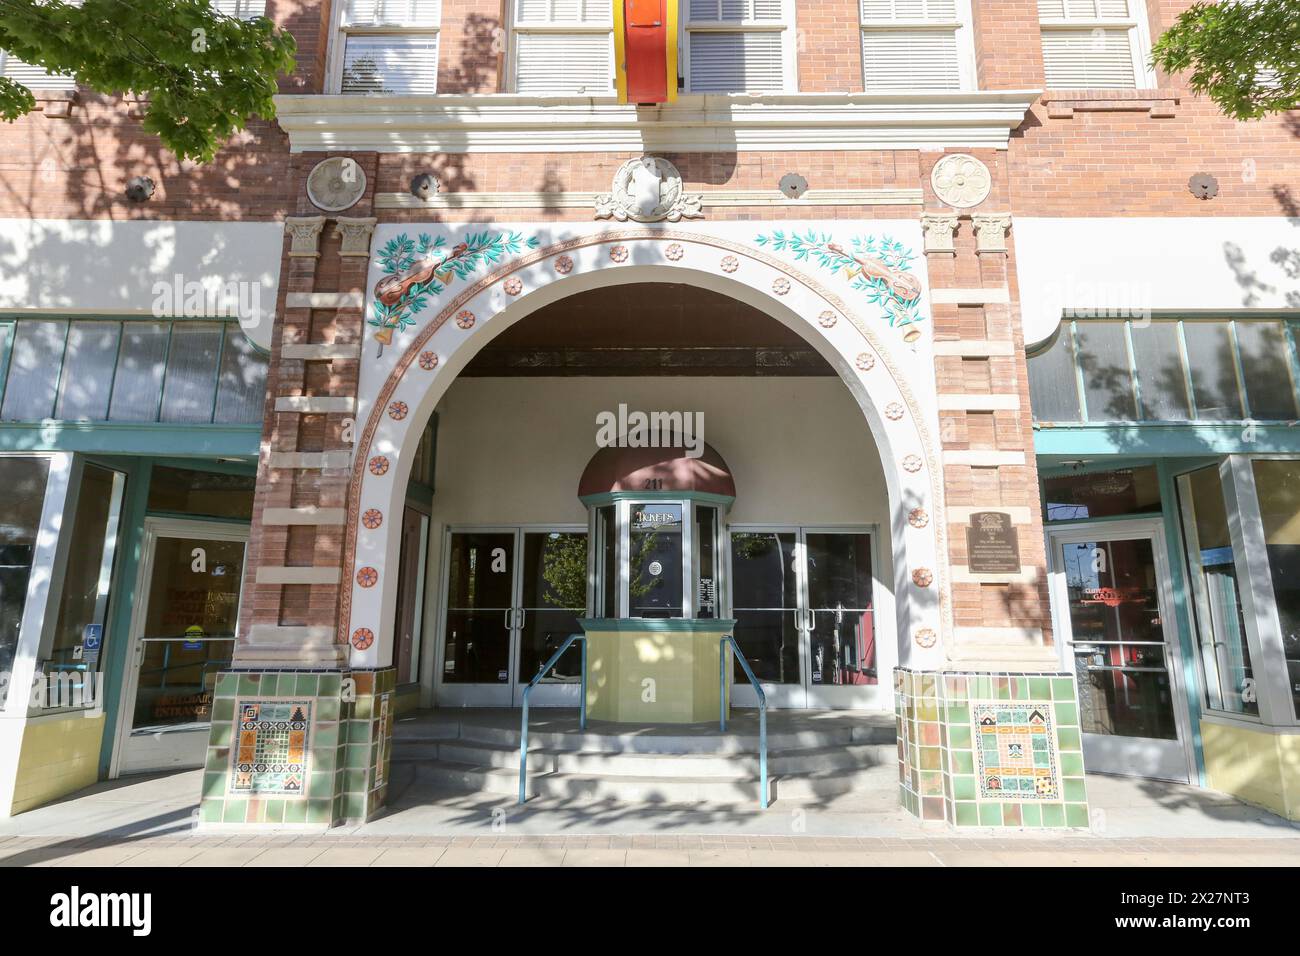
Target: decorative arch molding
pixel 897 402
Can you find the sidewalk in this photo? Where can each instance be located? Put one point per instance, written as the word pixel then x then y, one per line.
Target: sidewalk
pixel 148 821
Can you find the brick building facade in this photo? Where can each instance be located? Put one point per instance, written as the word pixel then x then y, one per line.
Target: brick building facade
pixel 974 310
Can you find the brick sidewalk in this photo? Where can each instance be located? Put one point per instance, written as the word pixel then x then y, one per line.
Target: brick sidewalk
pixel 937 850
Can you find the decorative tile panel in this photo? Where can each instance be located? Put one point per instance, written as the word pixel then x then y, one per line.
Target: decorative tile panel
pixel 1014 753
pixel 270 755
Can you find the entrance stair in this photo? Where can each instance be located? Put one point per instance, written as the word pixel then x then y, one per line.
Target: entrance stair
pixel 813 756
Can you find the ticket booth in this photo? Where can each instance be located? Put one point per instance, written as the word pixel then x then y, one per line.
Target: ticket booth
pixel 656 576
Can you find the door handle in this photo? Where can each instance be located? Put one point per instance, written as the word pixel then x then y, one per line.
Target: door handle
pixel 523 617
pixel 509 624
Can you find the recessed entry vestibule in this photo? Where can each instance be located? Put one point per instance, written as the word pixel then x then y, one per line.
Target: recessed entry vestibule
pixel 803 560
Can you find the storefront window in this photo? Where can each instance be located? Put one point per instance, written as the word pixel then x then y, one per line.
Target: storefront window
pixel 410 594
pixel 188 492
pixel 1220 623
pixel 706 525
pixel 24 482
pixel 78 643
pixel 1277 483
pixel 1124 492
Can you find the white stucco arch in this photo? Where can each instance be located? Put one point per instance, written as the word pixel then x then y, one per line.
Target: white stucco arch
pixel 897 402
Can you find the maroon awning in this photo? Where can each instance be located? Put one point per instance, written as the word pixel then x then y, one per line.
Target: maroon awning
pixel 656 469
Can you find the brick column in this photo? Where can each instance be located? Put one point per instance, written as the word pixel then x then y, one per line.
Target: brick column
pixel 288 667
pixel 1001 682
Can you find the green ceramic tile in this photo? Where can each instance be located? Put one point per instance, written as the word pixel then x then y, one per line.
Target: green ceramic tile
pixel 963 787
pixel 1071 765
pixel 1062 688
pixel 1073 790
pixel 983 688
pixel 1040 688
pixel 306 685
pixel 320 811
pixel 250 685
pixel 959 736
pixel 218 759
pixel 358 756
pixel 320 785
pixel 210 810
pixel 275 811
pixel 959 716
pixel 220 735
pixel 234 810
pixel 990 814
pixel 1053 815
pixel 223 710
pixel 1019 688
pixel 931 759
pixel 214 784
pixel 327 708
pixel 1067 714
pixel 227 685
pixel 322 759
pixel 1001 689
pixel 1031 815
pixel 354 807
pixel 295 811
pixel 1076 815
pixel 967 814
pixel 1069 739
pixel 1011 814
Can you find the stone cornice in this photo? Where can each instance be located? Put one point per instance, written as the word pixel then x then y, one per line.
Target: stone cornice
pixel 506 123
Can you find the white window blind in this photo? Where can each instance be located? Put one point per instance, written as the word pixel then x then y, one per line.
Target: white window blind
pixel 563 47
pixel 1091 44
pixel 390 46
pixel 241 9
pixel 910 45
pixel 34 77
pixel 739 46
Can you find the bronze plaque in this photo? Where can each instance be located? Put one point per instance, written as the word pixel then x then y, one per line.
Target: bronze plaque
pixel 991 544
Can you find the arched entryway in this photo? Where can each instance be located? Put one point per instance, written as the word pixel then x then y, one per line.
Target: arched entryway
pixel 399 394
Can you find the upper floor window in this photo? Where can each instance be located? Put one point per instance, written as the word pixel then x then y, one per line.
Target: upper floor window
pixel 389 46
pixel 739 46
pixel 1093 44
pixel 913 45
pixel 563 46
pixel 241 9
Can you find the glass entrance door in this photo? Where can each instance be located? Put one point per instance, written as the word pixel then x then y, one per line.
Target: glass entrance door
pixel 512 596
pixel 182 636
pixel 1111 603
pixel 803 600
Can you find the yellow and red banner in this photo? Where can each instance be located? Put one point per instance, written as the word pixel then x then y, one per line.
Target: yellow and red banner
pixel 645 50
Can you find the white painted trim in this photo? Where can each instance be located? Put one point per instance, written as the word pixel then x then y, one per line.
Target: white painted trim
pixel 507 123
pixel 973 347
pixel 979 402
pixel 587 200
pixel 308 460
pixel 1031 636
pixel 306 515
pixel 270 574
pixel 983 459
pixel 315 404
pixel 323 352
pixel 279 634
pixel 989 295
pixel 325 300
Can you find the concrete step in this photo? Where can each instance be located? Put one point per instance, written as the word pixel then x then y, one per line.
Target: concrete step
pixel 630 790
pixel 595 763
pixel 699 742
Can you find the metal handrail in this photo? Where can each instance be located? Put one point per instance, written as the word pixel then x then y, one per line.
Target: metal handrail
pixel 762 707
pixel 582 706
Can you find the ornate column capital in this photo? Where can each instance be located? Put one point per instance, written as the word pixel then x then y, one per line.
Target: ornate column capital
pixel 356 233
pixel 304 235
pixel 991 231
pixel 938 229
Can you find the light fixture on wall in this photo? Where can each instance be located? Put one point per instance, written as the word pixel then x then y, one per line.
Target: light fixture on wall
pixel 793 185
pixel 139 188
pixel 1203 186
pixel 425 186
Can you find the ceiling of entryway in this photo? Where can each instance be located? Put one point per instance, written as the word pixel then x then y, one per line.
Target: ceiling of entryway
pixel 650 328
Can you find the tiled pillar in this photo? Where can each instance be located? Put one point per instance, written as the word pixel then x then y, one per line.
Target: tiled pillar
pixel 298 736
pixel 992 737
